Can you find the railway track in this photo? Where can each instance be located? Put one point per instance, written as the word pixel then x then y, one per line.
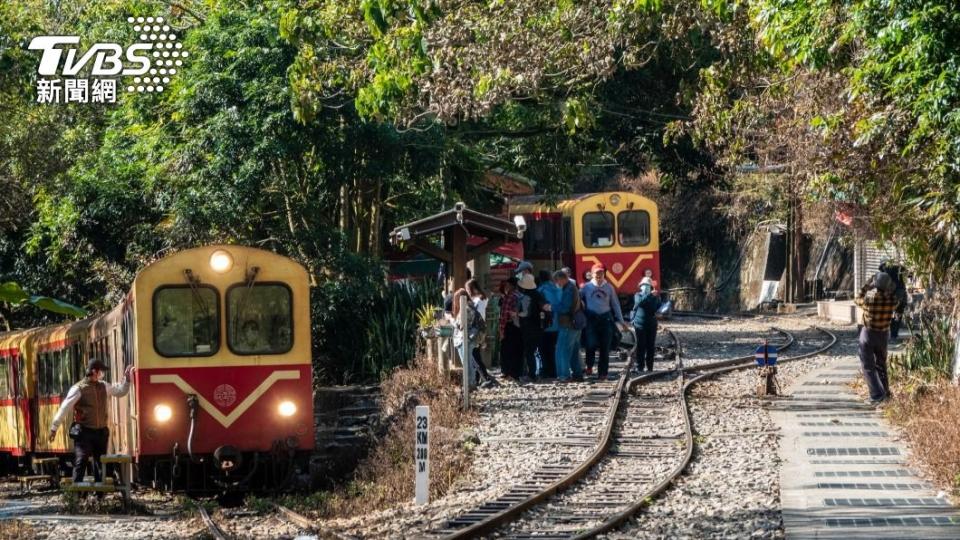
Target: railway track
pixel 212 528
pixel 599 407
pixel 645 447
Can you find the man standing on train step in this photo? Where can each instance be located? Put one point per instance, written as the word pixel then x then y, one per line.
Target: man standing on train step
pixel 603 312
pixel 88 401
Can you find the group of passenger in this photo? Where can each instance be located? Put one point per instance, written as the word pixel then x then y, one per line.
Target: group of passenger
pixel 549 317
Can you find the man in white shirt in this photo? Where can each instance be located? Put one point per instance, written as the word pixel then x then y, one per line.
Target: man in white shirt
pixel 88 401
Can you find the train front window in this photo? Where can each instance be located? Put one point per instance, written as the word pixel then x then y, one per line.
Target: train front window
pixel 186 320
pixel 598 229
pixel 634 227
pixel 260 318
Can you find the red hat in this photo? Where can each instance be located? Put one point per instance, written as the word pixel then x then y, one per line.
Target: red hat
pixel 598 266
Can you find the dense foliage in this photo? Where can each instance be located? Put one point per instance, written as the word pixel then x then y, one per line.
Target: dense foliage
pixel 311 127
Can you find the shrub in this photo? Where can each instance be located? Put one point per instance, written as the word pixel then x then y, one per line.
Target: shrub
pixel 929 353
pixel 363 326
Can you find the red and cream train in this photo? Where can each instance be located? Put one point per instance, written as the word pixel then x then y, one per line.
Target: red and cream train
pixel 220 337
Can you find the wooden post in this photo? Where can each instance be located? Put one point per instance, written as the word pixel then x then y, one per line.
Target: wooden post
pixel 458 248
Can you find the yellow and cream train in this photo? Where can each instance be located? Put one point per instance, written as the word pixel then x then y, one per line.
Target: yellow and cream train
pixel 619 229
pixel 222 396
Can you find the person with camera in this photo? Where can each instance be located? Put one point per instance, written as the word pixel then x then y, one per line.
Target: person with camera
pixel 88 401
pixel 878 302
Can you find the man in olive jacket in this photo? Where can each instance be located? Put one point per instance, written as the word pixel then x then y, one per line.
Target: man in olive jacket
pixel 88 401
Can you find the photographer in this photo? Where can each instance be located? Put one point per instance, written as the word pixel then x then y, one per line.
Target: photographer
pixel 878 302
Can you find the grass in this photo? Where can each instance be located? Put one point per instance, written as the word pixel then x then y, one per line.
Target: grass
pixel 926 405
pixel 930 418
pixel 385 477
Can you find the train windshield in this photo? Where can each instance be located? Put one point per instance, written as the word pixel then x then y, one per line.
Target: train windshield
pixel 260 318
pixel 634 228
pixel 598 229
pixel 186 320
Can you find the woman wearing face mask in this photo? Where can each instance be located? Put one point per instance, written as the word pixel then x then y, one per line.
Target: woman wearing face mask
pixel 645 305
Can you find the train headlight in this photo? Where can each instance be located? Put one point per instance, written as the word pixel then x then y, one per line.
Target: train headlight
pixel 162 412
pixel 614 199
pixel 221 261
pixel 287 408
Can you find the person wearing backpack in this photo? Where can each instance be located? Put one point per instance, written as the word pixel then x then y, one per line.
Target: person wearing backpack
pixel 645 306
pixel 571 320
pixel 511 342
pixel 479 300
pixel 474 332
pixel 532 306
pixel 547 348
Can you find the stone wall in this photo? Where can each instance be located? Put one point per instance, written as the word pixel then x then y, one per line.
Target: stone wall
pixel 347 419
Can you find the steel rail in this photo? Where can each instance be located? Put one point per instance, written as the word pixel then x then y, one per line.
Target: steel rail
pixel 212 527
pixel 646 499
pixel 510 513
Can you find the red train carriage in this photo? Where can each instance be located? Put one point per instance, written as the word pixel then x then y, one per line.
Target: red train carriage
pixel 223 396
pixel 618 229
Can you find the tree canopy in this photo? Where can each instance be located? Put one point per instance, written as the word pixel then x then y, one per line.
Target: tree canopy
pixel 310 127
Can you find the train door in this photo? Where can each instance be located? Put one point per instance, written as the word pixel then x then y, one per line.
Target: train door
pixel 22 401
pixel 127 349
pixel 116 411
pixel 11 437
pixel 567 256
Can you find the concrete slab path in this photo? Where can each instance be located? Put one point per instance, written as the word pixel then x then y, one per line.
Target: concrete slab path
pixel 844 474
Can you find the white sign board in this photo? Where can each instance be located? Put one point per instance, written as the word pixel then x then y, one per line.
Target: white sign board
pixel 421 459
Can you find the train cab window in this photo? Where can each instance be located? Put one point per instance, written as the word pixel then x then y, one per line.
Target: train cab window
pixel 634 228
pixel 598 229
pixel 186 320
pixel 260 318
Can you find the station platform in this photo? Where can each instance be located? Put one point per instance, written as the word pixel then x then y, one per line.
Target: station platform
pixel 844 474
pixel 839 311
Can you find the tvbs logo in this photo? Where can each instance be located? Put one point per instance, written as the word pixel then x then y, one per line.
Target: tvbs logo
pixel 151 62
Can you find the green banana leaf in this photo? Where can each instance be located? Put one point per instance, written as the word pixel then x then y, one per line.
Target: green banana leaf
pixel 14 294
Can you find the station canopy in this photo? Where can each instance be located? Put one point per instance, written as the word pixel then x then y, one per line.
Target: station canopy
pixel 466 235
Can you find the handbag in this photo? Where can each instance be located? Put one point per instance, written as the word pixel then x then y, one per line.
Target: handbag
pixel 579 320
pixel 75 430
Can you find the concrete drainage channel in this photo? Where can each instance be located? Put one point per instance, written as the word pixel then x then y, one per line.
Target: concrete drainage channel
pixel 649 428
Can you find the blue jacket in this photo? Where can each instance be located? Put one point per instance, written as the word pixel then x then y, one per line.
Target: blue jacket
pixel 645 306
pixel 551 293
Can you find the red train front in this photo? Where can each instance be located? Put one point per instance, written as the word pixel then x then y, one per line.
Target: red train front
pixel 224 390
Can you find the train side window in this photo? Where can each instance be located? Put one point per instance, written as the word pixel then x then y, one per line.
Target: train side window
pixel 539 238
pixel 5 377
pixel 260 318
pixel 43 370
pixel 65 371
pixel 186 320
pixel 79 367
pixel 567 236
pixel 598 229
pixel 634 228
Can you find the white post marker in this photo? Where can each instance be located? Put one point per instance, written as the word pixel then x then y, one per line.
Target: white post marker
pixel 421 459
